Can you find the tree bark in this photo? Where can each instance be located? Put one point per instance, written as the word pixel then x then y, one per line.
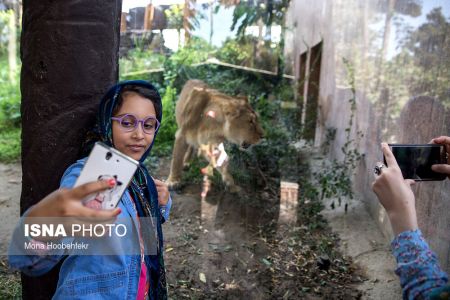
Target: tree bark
pixel 186 16
pixel 69 52
pixel 211 20
pixel 387 29
pixel 386 36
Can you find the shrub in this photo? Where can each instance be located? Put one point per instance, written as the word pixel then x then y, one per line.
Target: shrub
pixel 166 133
pixel 10 144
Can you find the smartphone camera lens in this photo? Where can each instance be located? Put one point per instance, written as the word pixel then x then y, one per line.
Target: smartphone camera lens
pixel 108 156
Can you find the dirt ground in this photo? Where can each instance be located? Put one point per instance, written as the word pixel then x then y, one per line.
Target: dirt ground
pixel 248 246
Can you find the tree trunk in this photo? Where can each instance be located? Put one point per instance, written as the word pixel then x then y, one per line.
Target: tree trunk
pixel 387 29
pixel 186 16
pixel 268 37
pixel 69 58
pixel 258 48
pixel 211 21
pixel 280 56
pixel 365 47
pixel 383 102
pixel 386 37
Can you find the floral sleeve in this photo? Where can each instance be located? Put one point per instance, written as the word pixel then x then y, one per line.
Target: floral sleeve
pixel 417 266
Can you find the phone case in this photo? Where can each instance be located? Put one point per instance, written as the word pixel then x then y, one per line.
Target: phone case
pixel 105 163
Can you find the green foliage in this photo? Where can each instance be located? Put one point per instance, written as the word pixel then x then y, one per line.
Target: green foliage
pixel 10 117
pixel 250 52
pixel 175 19
pixel 10 104
pixel 9 96
pixel 428 48
pixel 335 179
pixel 235 52
pixel 178 66
pixel 9 144
pixel 166 133
pixel 139 60
pixel 329 138
pixel 274 157
pixel 5 17
pixel 174 16
pixel 247 13
pixel 196 51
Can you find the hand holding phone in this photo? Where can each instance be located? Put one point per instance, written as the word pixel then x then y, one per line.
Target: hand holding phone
pixel 395 194
pixel 415 160
pixel 106 163
pixel 445 167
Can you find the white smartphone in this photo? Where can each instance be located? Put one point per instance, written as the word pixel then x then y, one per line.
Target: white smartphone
pixel 106 163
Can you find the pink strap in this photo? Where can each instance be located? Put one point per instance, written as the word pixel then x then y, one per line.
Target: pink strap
pixel 142 286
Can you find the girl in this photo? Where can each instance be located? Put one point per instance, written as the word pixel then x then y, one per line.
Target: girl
pixel 129 117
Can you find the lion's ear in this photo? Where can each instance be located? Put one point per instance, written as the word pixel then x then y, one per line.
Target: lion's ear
pixel 200 93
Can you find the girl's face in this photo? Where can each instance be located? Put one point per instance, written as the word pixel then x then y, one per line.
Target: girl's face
pixel 133 143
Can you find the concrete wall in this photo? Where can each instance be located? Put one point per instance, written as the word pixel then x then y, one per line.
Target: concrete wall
pixel 399 53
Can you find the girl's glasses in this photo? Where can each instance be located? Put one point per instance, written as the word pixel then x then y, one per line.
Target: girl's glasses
pixel 129 122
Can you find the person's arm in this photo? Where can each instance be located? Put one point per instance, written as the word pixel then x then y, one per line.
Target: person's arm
pixel 417 266
pixel 165 209
pixel 164 199
pixel 395 194
pixel 29 255
pixel 32 256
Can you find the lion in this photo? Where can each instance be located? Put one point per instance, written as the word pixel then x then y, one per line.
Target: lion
pixel 206 118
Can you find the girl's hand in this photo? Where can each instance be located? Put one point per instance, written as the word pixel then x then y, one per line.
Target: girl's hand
pixel 395 194
pixel 163 192
pixel 443 168
pixel 67 203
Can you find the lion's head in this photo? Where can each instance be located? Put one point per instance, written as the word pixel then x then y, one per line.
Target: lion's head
pixel 241 123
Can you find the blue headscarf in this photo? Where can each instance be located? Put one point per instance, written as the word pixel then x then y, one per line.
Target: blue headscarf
pixel 142 187
pixel 109 103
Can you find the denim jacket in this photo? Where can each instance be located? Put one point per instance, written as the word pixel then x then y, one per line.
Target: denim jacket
pixel 87 276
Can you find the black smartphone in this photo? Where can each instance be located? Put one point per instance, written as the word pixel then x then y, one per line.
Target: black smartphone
pixel 415 161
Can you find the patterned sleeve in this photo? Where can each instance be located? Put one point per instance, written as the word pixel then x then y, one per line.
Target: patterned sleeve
pixel 165 209
pixel 417 266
